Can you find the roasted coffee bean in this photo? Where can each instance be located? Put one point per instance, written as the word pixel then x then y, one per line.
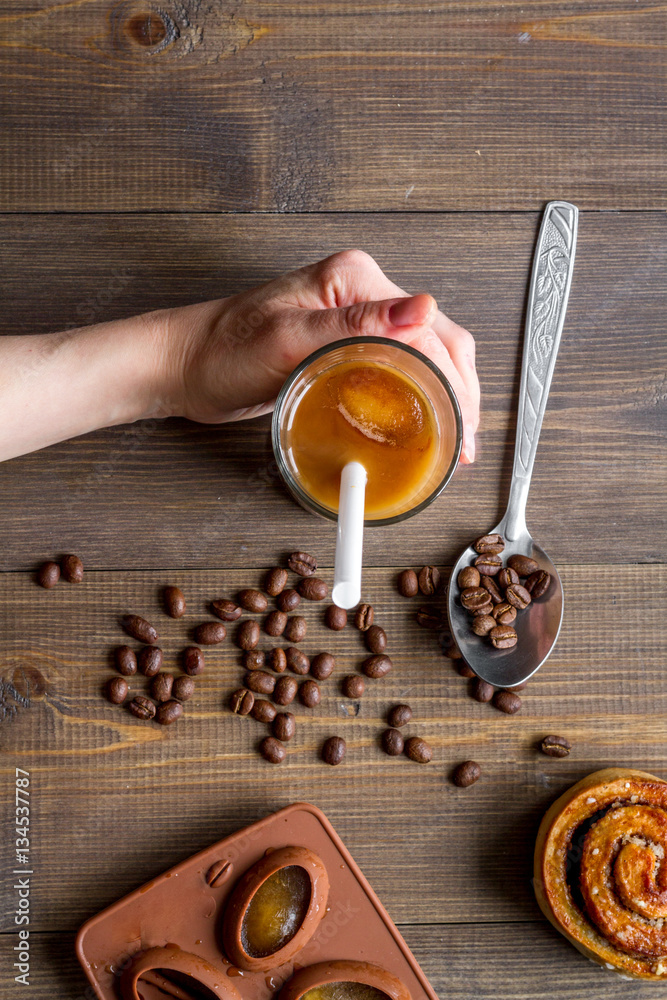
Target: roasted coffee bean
pixel 253 659
pixel 272 751
pixel 263 710
pixel 48 575
pixel 407 583
pixel 399 716
pixel 285 691
pixel 247 635
pixel 313 589
pixel 429 580
pixel 463 670
pixel 295 629
pixel 302 563
pixel 274 623
pixel 335 618
pixel 139 629
pixel 363 618
pixel 466 774
pixel 482 624
pixel 517 687
pixel 504 613
pixel 392 742
pixel 538 583
pixel 309 694
pixel 503 637
pixel 482 690
pixel 168 712
pixel 517 596
pixel 333 750
pixel 468 577
pixel 297 661
pixel 488 564
pixel 523 565
pixel 275 581
pixel 183 687
pixel 322 666
pixel 210 633
pixel 430 618
pixel 489 584
pixel 149 660
pixel 284 726
pixel 376 666
pixel 376 639
pixel 288 600
pixel 193 660
pixel 141 707
pixel 174 602
pixel 116 690
pixel 259 681
pixel 484 609
pixel 241 701
pixel 452 651
pixel 161 686
pixel 418 750
pixel 126 661
pixel 353 686
pixel 277 660
pixel 489 543
pixel 555 746
pixel 507 576
pixel 507 701
pixel 252 600
pixel 71 568
pixel 473 598
pixel 226 610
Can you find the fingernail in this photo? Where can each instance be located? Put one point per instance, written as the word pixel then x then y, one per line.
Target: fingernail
pixel 412 311
pixel 468 445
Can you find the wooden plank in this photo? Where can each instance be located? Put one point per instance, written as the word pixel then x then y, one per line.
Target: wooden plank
pixel 183 495
pixel 116 801
pixel 295 107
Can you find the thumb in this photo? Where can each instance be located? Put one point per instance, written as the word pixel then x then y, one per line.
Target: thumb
pixel 369 319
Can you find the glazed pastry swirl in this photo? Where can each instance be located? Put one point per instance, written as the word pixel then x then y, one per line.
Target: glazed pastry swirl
pixel 601 870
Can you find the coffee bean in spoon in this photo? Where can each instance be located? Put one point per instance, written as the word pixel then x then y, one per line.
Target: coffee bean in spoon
pixel 523 565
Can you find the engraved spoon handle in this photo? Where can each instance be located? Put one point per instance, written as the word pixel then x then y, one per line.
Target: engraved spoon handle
pixel 550 281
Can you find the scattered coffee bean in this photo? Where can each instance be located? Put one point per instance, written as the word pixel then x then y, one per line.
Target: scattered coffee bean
pixel 247 635
pixel 252 600
pixel 297 661
pixel 253 659
pixel 174 602
pixel 295 629
pixel 226 610
pixel 333 750
pixel 407 583
pixel 149 661
pixel 353 686
pixel 507 576
pixel 555 746
pixel 430 618
pixel 517 596
pixel 302 563
pixel 489 543
pixel 309 694
pixel 277 660
pixel 263 710
pixel 322 666
pixel 274 623
pixel 275 581
pixel 126 661
pixel 272 751
pixel 376 639
pixel 284 726
pixel 506 701
pixel 399 716
pixel 168 712
pixel 517 687
pixel 474 598
pixel 489 584
pixel 313 589
pixel 482 624
pixel 116 690
pixel 72 569
pixel 392 742
pixel 504 613
pixel 452 651
pixel 241 701
pixel 288 600
pixel 376 666
pixel 538 583
pixel 488 564
pixel 259 681
pixel 193 660
pixel 183 687
pixel 418 750
pixel 285 691
pixel 139 629
pixel 429 580
pixel 482 690
pixel 469 577
pixel 48 575
pixel 335 618
pixel 141 707
pixel 210 633
pixel 161 686
pixel 523 565
pixel 464 670
pixel 466 774
pixel 503 637
pixel 363 618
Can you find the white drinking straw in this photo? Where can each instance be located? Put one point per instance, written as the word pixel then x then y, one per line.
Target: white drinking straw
pixel 350 537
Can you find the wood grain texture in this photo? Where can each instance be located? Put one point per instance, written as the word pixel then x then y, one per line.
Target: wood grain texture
pixel 183 495
pixel 293 107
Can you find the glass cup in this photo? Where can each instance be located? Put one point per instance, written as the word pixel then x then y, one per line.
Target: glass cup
pixel 406 362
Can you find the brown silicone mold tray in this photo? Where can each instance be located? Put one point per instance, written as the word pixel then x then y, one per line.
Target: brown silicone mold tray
pixel 277 909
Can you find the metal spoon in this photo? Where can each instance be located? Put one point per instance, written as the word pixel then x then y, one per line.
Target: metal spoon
pixel 539 624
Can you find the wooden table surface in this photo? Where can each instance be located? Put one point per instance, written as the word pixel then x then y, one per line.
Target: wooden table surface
pixel 157 154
